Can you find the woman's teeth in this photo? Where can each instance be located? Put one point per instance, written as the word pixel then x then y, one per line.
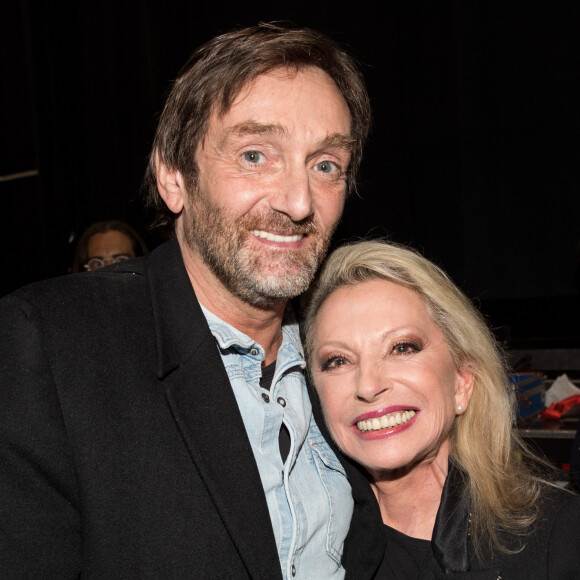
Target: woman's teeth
pixel 386 421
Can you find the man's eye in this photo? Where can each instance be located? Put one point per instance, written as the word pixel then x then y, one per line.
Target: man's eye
pixel 326 167
pixel 333 362
pixel 253 157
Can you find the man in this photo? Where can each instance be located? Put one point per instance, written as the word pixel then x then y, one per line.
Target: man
pixel 155 420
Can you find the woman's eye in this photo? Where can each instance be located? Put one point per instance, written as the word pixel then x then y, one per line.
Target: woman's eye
pixel 333 362
pixel 253 157
pixel 326 167
pixel 406 348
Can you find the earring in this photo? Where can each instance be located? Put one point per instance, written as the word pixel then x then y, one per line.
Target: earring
pixel 459 408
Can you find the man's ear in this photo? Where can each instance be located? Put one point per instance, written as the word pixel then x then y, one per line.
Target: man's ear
pixel 171 186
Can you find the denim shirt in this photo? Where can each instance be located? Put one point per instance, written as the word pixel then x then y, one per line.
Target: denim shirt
pixel 308 495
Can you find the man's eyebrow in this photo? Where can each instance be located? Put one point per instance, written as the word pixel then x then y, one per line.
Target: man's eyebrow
pixel 256 128
pixel 334 140
pixel 338 141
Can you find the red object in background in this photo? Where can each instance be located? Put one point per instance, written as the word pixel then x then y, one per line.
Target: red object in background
pixel 556 410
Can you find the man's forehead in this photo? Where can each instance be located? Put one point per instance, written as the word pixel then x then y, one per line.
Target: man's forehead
pixel 263 103
pixel 280 73
pixel 260 114
pixel 282 76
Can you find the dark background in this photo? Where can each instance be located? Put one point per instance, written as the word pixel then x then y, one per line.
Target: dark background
pixel 474 156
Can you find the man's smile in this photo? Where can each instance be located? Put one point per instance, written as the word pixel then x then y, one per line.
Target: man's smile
pixel 276 237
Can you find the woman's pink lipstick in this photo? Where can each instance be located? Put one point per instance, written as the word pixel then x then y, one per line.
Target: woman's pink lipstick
pixel 384 422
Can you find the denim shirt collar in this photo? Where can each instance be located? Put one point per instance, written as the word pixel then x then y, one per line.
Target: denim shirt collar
pixel 290 354
pixel 307 493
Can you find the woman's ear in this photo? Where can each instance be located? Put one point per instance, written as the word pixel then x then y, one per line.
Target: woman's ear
pixel 171 186
pixel 463 390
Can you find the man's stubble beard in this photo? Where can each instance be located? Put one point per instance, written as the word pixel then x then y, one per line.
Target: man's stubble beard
pixel 262 279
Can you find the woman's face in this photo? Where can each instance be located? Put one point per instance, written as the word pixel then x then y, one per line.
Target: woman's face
pixel 388 385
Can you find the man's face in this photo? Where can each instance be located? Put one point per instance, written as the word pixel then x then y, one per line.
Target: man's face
pixel 272 183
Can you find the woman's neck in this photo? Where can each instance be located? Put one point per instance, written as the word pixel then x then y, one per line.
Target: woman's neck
pixel 409 501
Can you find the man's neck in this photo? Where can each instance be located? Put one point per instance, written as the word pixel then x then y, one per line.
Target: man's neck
pixel 263 325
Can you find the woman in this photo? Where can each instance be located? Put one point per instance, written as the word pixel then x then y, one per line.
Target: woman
pixel 414 388
pixel 107 242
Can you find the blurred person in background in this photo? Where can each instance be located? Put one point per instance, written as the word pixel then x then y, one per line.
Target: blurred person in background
pixel 107 242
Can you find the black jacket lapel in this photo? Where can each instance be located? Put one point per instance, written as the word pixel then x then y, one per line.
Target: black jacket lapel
pixel 204 407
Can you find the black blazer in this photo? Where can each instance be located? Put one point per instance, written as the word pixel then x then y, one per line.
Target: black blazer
pixel 122 450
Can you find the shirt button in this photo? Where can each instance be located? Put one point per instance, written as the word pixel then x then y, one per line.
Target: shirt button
pixel 254 351
pixel 293 570
pixel 266 398
pixel 281 401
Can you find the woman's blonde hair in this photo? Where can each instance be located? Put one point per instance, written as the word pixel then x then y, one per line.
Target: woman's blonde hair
pixel 483 441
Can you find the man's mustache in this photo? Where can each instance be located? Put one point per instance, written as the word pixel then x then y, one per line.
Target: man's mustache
pixel 279 222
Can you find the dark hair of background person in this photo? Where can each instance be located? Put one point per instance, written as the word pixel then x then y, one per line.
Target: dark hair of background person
pixel 216 73
pixel 81 251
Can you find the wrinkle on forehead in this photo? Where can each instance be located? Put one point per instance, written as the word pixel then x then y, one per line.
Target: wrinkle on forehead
pixel 251 125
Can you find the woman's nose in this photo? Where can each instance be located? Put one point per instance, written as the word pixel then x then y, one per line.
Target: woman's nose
pixel 371 383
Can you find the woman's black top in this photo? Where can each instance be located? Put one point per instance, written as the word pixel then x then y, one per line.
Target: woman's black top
pixel 406 558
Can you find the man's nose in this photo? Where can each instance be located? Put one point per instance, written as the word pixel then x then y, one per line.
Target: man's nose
pixel 293 196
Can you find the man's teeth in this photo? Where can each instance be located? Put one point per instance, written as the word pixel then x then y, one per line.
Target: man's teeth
pixel 276 237
pixel 385 421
